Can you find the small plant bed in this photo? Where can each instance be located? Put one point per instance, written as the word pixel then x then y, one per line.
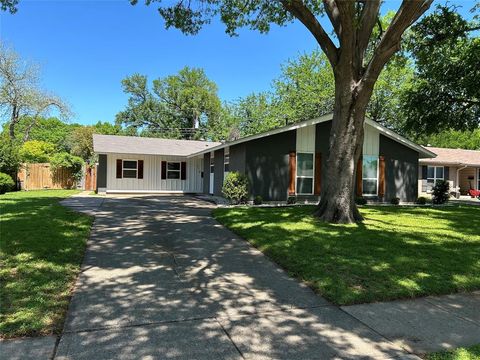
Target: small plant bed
pixel 470 353
pixel 396 253
pixel 42 247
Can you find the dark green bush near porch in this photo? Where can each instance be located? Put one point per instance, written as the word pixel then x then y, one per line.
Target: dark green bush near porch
pixel 440 192
pixel 421 200
pixel 258 200
pixel 395 201
pixel 361 200
pixel 235 188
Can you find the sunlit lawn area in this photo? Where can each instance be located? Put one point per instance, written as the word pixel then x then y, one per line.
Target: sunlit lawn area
pixel 471 353
pixel 398 252
pixel 42 246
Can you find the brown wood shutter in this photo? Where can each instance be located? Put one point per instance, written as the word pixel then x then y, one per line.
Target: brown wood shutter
pixel 381 176
pixel 359 177
pixel 183 171
pixel 119 168
pixel 318 173
pixel 164 170
pixel 140 169
pixel 292 166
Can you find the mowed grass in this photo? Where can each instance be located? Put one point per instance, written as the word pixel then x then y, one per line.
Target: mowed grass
pixel 42 246
pixel 470 353
pixel 396 253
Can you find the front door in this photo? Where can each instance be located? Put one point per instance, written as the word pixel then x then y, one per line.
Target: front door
pixel 212 174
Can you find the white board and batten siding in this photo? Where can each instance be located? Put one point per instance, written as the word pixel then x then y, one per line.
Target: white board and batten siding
pixel 152 180
pixel 306 139
pixel 371 141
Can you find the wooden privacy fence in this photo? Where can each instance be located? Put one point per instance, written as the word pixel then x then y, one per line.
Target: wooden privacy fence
pixel 90 178
pixel 42 176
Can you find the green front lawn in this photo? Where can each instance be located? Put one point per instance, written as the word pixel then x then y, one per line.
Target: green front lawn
pixel 397 252
pixel 42 246
pixel 471 353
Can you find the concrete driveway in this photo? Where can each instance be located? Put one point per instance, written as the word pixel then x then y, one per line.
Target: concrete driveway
pixel 162 279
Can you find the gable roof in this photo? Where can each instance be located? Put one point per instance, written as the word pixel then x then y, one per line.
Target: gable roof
pixel 423 152
pixel 148 146
pixel 453 156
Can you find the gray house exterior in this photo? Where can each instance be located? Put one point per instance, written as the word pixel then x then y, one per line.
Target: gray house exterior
pixel 289 161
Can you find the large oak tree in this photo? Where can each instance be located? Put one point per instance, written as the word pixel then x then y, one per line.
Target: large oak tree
pixel 356 63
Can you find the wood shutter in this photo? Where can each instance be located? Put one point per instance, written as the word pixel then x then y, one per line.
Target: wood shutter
pixel 292 166
pixel 119 168
pixel 360 177
pixel 424 172
pixel 318 173
pixel 446 173
pixel 164 170
pixel 381 176
pixel 140 169
pixel 183 171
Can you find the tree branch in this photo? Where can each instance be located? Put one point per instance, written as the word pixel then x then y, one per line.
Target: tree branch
pixel 407 14
pixel 368 18
pixel 302 13
pixel 332 12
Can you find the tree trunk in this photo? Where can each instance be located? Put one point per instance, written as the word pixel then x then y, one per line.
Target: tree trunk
pixel 337 202
pixel 13 121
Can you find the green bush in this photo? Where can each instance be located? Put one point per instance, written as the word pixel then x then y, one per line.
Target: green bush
pixel 71 162
pixel 360 200
pixel 235 188
pixel 9 156
pixel 395 201
pixel 258 200
pixel 6 183
pixel 440 192
pixel 421 200
pixel 291 200
pixel 36 151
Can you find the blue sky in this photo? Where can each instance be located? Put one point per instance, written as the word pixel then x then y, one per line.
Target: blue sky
pixel 85 48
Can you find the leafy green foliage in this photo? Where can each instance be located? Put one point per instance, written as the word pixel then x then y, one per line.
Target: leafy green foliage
pixel 421 200
pixel 6 183
pixel 440 192
pixel 395 201
pixel 9 156
pixel 68 161
pixel 177 106
pixel 43 244
pixel 397 252
pixel 464 353
pixel 258 200
pixel 235 188
pixel 35 151
pixel 454 139
pixel 360 200
pixel 445 93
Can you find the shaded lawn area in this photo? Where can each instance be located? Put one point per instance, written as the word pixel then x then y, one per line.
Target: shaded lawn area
pixel 42 247
pixel 398 252
pixel 470 353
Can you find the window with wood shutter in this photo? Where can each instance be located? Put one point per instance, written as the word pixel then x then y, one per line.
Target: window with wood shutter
pixel 381 176
pixel 183 170
pixel 140 169
pixel 173 170
pixel 163 174
pixel 305 173
pixel 318 173
pixel 119 168
pixel 292 167
pixel 370 175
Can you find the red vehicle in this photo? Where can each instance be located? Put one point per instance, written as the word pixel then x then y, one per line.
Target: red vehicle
pixel 474 193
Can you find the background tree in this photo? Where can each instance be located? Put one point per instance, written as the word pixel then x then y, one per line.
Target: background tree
pixel 21 95
pixel 355 71
pixel 446 91
pixel 36 151
pixel 178 106
pixel 454 139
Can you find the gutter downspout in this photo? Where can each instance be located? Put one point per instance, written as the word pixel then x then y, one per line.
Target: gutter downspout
pixel 458 179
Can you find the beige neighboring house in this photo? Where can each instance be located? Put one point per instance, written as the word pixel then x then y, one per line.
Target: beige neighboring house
pixel 460 167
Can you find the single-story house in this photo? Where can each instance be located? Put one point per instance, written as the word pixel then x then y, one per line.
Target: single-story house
pixel 461 168
pixel 287 161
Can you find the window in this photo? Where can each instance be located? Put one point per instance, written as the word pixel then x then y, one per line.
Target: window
pixel 370 175
pixel 226 163
pixel 305 173
pixel 173 170
pixel 130 169
pixel 434 173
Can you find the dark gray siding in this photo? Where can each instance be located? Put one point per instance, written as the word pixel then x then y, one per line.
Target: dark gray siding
pixel 206 172
pixel 401 170
pixel 218 178
pixel 237 158
pixel 322 138
pixel 102 171
pixel 266 165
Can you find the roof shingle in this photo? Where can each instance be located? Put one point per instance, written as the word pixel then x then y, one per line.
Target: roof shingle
pixel 453 156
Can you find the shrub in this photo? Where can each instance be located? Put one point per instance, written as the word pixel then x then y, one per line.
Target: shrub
pixel 421 200
pixel 361 200
pixel 9 157
pixel 258 200
pixel 6 183
pixel 395 201
pixel 440 192
pixel 235 188
pixel 291 200
pixel 71 162
pixel 35 151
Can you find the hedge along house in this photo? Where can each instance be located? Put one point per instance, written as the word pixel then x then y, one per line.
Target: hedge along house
pixel 461 168
pixel 291 161
pixel 128 164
